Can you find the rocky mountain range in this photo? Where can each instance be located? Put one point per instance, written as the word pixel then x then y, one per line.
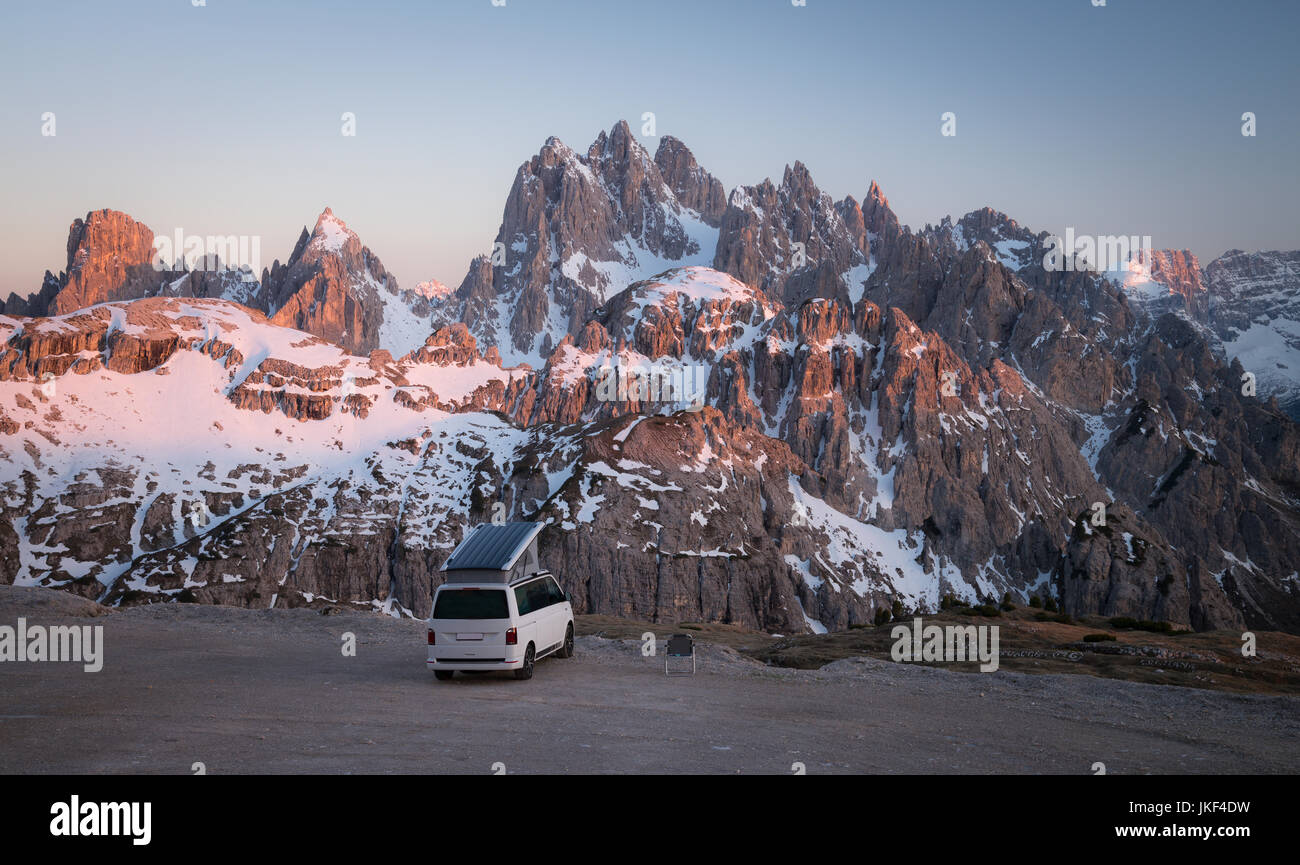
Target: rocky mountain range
pixel 766 407
pixel 331 286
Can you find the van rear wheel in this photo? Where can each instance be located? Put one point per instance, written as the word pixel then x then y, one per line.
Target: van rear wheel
pixel 566 650
pixel 443 675
pixel 526 671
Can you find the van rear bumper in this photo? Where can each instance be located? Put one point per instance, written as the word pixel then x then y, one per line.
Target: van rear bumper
pixel 463 663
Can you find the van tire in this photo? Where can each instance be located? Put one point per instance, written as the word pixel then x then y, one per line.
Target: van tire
pixel 443 675
pixel 526 671
pixel 566 649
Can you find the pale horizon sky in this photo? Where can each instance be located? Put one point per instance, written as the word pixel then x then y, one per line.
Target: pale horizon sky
pixel 225 119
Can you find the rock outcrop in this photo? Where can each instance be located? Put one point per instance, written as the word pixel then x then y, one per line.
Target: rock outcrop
pixel 110 257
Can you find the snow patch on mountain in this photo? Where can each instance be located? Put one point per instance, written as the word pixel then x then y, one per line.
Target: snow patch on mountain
pixel 876 560
pixel 331 233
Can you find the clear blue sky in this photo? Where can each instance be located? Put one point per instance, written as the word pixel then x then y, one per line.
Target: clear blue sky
pixel 225 119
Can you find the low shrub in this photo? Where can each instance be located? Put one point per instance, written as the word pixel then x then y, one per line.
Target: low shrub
pixel 1127 623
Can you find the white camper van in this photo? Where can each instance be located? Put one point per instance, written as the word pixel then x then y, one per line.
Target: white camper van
pixel 497 609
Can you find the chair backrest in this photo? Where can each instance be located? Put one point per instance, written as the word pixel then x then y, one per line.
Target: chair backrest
pixel 681 644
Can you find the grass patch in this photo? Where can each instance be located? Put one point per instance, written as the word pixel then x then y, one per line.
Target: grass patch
pixel 1125 623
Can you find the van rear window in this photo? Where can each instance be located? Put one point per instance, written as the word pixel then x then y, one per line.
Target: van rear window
pixel 471 604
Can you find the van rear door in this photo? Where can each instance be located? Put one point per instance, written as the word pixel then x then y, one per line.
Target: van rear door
pixel 470 622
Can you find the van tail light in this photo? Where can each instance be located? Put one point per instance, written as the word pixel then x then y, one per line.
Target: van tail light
pixel 431 636
pixel 512 637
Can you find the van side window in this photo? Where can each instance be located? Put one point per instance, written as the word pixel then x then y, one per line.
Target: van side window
pixel 557 594
pixel 523 601
pixel 538 596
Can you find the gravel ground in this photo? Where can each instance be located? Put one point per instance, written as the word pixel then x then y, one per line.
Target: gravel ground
pixel 271 692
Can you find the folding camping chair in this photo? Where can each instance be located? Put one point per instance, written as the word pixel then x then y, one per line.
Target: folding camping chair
pixel 680 646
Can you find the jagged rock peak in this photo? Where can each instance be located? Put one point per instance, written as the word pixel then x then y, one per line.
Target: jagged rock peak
pixel 879 216
pixel 330 233
pixel 578 228
pixel 694 187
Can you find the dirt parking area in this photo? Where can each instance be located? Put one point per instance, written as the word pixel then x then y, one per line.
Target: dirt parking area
pixel 243 691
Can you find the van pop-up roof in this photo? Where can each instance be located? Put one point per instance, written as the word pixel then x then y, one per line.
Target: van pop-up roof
pixel 494 553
